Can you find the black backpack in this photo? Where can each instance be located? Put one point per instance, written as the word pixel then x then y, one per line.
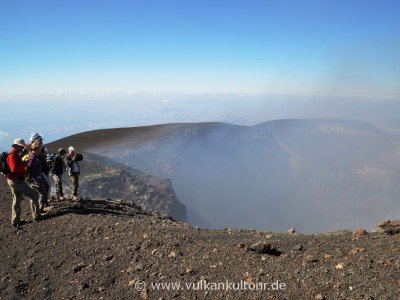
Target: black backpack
pixel 4 168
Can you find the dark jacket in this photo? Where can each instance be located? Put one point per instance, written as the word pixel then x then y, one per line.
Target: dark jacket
pixel 16 165
pixel 35 168
pixel 43 162
pixel 72 164
pixel 57 167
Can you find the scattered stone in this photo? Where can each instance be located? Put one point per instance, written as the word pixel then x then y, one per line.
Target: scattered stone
pixel 108 257
pixel 144 295
pixel 292 230
pixel 357 233
pixel 298 248
pixel 79 268
pixel 356 250
pixel 328 256
pixel 383 223
pixel 339 266
pixel 136 247
pixel 139 267
pixel 82 286
pixel 390 227
pixel 264 248
pixel 319 297
pixel 240 245
pixel 133 281
pixel 309 259
pixel 247 277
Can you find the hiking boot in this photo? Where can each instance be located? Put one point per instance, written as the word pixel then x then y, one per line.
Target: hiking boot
pixel 40 217
pixel 19 223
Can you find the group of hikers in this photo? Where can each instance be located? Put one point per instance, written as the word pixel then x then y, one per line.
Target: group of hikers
pixel 30 168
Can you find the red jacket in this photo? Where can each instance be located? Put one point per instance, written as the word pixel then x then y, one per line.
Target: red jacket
pixel 16 165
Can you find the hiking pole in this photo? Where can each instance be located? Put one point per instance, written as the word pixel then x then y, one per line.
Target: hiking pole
pixel 70 187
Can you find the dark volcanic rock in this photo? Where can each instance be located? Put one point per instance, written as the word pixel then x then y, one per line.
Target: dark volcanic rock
pixel 265 248
pixel 390 227
pixel 102 178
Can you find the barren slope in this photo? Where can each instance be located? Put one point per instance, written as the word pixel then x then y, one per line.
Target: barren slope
pixel 102 250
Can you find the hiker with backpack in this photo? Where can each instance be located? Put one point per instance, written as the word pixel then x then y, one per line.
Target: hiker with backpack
pixel 35 174
pixel 73 169
pixel 44 188
pixel 18 185
pixel 45 171
pixel 57 170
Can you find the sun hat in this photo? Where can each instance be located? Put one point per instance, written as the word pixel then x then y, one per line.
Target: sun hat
pixel 19 142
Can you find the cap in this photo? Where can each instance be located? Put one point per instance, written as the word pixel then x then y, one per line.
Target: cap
pixel 62 151
pixel 35 136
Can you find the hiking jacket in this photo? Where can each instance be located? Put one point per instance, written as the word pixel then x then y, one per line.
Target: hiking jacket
pixel 34 168
pixel 57 167
pixel 72 165
pixel 43 163
pixel 16 165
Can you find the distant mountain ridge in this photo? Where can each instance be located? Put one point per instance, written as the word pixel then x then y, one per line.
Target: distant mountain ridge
pixel 315 174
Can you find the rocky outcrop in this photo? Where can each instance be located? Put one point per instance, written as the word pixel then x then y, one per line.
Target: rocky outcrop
pixel 103 178
pixel 390 227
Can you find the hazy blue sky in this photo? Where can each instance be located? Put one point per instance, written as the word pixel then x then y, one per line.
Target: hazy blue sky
pixel 300 47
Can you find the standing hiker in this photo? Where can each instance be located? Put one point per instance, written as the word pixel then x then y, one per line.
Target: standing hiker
pixel 35 174
pixel 57 170
pixel 19 187
pixel 73 170
pixel 45 171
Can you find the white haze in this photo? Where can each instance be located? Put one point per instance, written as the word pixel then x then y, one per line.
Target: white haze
pixel 57 116
pixel 269 180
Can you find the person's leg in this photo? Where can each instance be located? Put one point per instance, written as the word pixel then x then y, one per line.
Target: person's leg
pixel 33 196
pixel 58 183
pixel 41 200
pixel 46 192
pixel 16 203
pixel 75 184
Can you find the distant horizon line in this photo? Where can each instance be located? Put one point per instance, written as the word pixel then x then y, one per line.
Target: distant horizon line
pixel 105 94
